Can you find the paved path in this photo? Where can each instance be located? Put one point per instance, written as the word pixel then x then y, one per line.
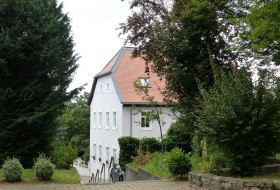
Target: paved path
pixel 147 185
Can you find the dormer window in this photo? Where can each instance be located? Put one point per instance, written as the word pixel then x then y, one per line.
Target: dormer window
pixel 144 82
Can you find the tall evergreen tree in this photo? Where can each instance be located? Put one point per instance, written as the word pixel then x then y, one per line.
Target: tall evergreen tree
pixel 37 62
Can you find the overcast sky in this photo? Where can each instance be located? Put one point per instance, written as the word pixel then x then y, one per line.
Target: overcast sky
pixel 94 24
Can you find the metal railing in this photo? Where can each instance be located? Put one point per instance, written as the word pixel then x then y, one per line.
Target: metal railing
pixel 97 177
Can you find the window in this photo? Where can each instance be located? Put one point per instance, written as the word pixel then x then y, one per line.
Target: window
pixel 100 119
pixel 100 153
pixel 94 152
pixel 107 120
pixel 115 154
pixel 94 120
pixel 145 120
pixel 108 87
pixel 114 120
pixel 107 155
pixel 101 90
pixel 144 82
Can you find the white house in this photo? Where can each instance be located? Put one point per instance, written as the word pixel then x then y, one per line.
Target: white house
pixel 117 110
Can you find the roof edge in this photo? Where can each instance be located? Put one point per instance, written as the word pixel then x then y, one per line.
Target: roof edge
pixel 119 55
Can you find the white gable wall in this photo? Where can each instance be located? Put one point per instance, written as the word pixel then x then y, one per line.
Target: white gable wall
pixel 136 130
pixel 154 130
pixel 104 100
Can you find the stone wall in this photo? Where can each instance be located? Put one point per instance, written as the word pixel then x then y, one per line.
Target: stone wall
pixel 212 182
pixel 138 175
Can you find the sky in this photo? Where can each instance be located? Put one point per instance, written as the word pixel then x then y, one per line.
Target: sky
pixel 94 24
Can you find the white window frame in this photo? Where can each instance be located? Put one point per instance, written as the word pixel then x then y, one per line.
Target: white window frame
pixel 107 120
pixel 100 153
pixel 114 154
pixel 100 118
pixel 107 152
pixel 143 116
pixel 100 88
pixel 94 125
pixel 144 82
pixel 114 118
pixel 108 87
pixel 94 152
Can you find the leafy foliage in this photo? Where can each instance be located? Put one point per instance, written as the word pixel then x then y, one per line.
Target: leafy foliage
pixel 178 136
pixel 44 168
pixel 37 62
pixel 242 118
pixel 179 163
pixel 131 146
pixel 264 28
pixel 63 155
pixel 182 39
pixel 128 150
pixel 156 164
pixel 150 145
pixel 12 170
pixel 141 157
pixel 73 127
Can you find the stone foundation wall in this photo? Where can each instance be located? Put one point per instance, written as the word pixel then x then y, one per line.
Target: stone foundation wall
pixel 212 182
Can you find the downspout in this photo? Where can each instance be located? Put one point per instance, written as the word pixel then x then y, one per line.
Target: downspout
pixel 131 121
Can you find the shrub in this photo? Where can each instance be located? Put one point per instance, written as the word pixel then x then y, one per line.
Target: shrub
pixel 242 118
pixel 178 136
pixel 178 162
pixel 141 157
pixel 43 168
pixel 150 145
pixel 128 150
pixel 63 155
pixel 12 169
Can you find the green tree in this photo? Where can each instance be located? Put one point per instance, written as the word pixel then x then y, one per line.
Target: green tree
pixel 182 39
pixel 242 118
pixel 37 63
pixel 73 124
pixel 178 136
pixel 264 33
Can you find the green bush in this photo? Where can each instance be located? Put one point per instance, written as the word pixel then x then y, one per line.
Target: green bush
pixel 178 136
pixel 242 118
pixel 43 168
pixel 179 163
pixel 12 169
pixel 63 155
pixel 150 145
pixel 128 150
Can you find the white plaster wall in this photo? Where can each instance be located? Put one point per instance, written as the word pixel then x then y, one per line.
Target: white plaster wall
pixel 126 121
pixel 105 101
pixel 167 117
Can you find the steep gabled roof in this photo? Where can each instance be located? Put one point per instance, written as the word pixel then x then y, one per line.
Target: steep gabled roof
pixel 125 70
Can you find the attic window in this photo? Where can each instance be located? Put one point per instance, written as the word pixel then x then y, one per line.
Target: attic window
pixel 144 82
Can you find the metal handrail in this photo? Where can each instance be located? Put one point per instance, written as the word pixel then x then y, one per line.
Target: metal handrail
pixel 97 174
pixel 97 177
pixel 102 169
pixel 112 162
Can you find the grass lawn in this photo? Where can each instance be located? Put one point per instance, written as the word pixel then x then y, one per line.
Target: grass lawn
pixel 156 165
pixel 60 176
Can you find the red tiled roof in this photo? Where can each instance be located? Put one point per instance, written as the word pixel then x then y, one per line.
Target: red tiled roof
pixel 126 70
pixel 107 69
pixel 129 71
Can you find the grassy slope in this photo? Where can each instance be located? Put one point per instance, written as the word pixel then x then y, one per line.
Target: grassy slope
pixel 59 176
pixel 156 165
